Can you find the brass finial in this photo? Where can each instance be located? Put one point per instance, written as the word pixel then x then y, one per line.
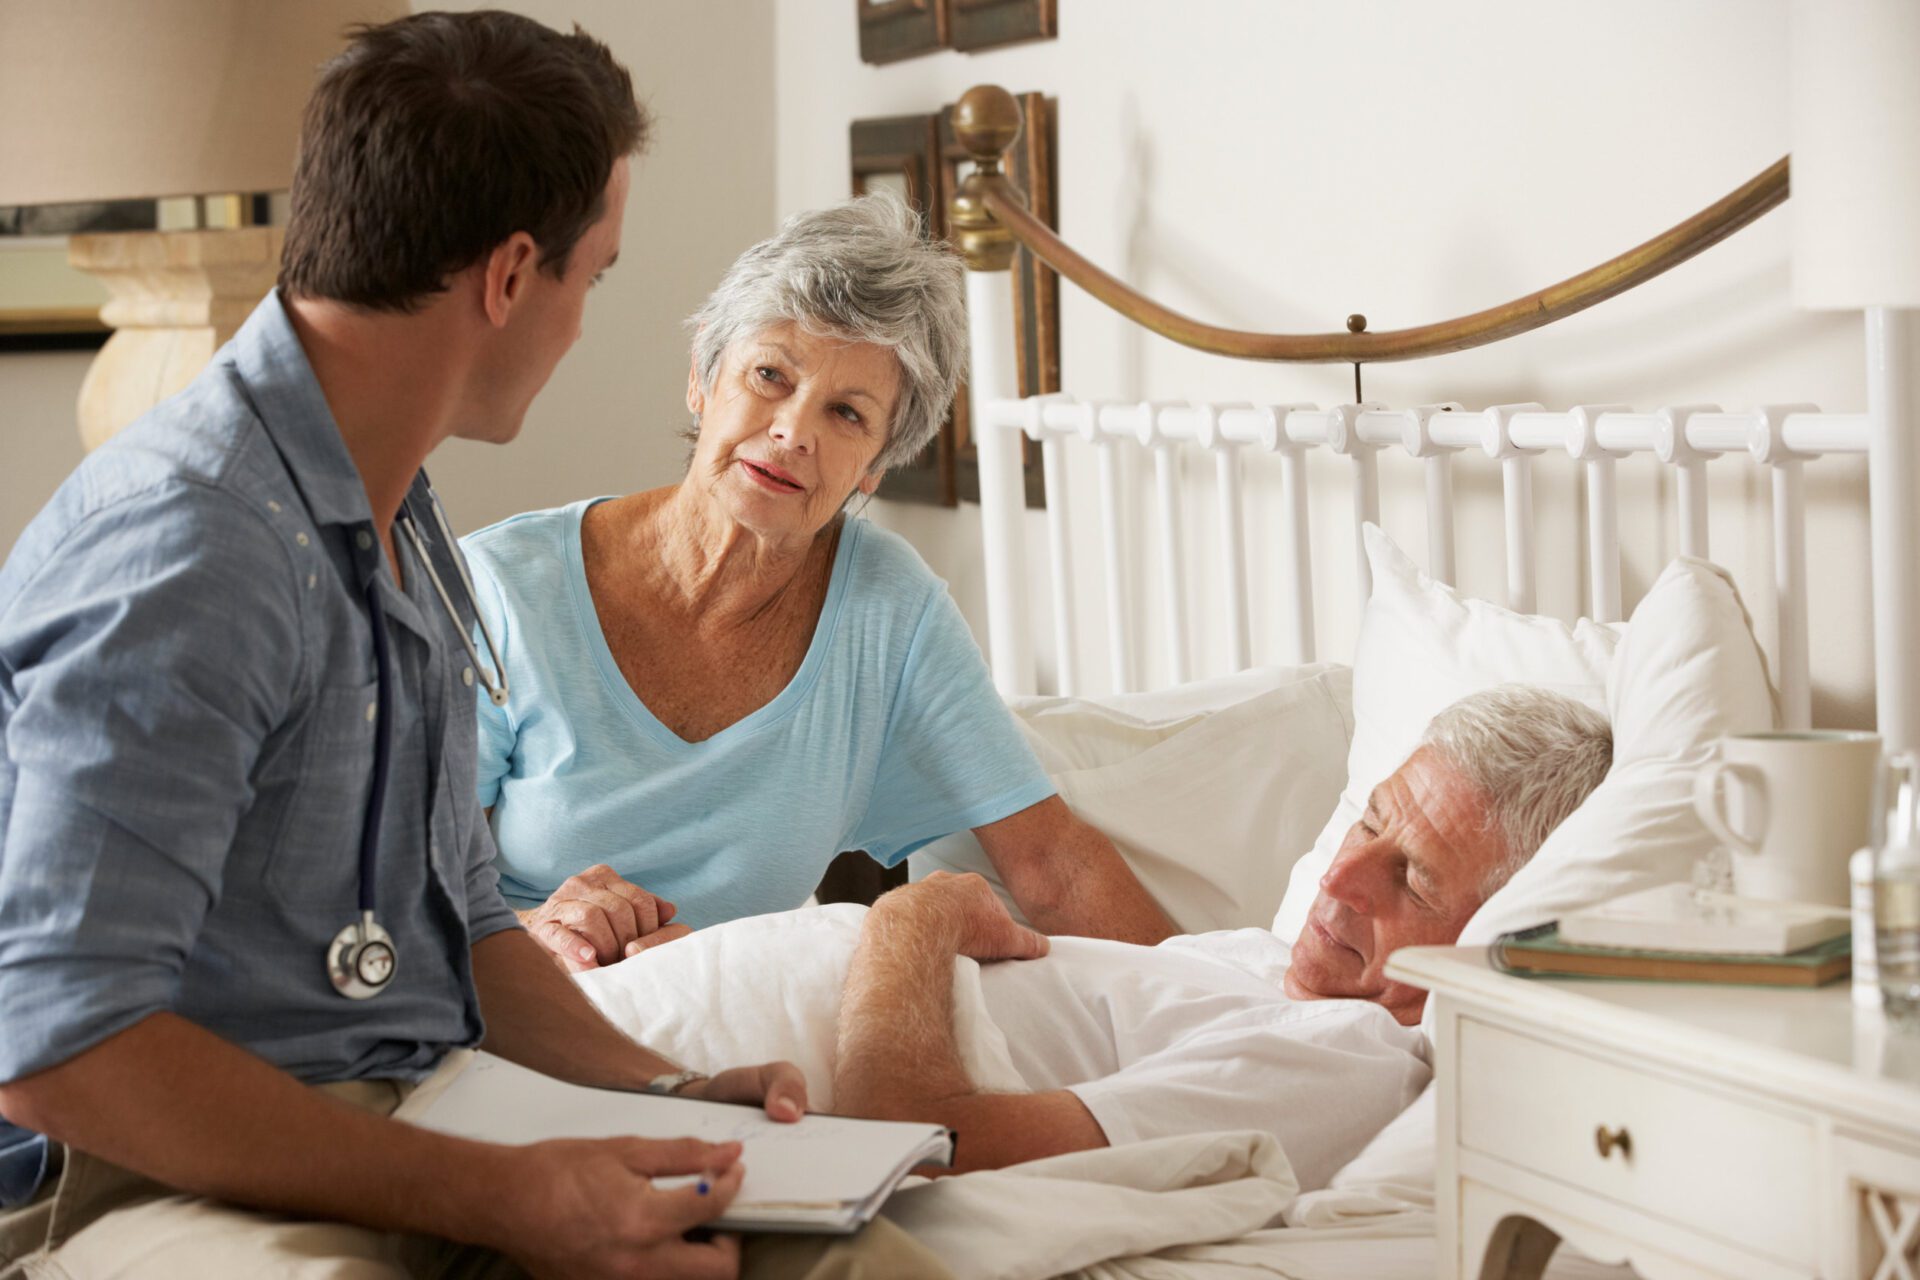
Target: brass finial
pixel 1356 323
pixel 986 121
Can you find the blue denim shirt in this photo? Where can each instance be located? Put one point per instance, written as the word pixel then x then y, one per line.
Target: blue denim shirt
pixel 186 684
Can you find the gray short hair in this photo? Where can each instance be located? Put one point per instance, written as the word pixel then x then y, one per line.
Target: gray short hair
pixel 1534 754
pixel 859 271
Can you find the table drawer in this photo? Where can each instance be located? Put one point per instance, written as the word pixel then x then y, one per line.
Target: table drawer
pixel 1733 1169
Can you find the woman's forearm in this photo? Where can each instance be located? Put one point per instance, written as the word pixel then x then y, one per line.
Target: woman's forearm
pixel 1069 879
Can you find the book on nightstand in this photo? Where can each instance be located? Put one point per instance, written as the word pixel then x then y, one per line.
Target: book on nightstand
pixel 1678 917
pixel 1542 953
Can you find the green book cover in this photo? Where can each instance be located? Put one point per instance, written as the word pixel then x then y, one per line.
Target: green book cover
pixel 1540 952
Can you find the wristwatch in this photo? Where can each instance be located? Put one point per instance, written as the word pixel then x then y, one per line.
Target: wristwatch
pixel 675 1081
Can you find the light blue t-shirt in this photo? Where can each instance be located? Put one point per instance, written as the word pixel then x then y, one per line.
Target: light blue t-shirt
pixel 890 735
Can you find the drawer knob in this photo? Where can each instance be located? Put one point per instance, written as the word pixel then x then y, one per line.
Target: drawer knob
pixel 1607 1141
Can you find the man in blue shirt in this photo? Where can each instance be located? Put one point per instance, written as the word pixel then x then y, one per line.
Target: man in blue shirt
pixel 203 638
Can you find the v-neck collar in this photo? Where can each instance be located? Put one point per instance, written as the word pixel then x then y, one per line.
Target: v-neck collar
pixel 622 693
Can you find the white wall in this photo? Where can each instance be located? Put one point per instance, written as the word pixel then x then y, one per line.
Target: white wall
pixel 607 420
pixel 1277 165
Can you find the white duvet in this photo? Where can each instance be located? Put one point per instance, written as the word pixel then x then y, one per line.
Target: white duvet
pixel 769 988
pixel 1204 1207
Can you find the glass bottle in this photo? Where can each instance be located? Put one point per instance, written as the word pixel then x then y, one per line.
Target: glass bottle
pixel 1896 898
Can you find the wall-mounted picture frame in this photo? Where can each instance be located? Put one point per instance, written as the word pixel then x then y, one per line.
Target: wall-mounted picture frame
pixel 919 159
pixel 973 25
pixel 891 30
pixel 900 154
pixel 894 29
pixel 45 304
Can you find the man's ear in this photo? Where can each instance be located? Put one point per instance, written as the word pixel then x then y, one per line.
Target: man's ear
pixel 870 482
pixel 696 396
pixel 510 268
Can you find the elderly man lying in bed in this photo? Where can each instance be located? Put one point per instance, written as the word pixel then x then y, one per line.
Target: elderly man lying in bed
pixel 1226 1030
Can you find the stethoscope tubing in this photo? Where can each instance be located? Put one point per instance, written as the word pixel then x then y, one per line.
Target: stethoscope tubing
pixel 494 683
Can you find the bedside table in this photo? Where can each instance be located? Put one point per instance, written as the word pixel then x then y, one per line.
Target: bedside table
pixel 1690 1130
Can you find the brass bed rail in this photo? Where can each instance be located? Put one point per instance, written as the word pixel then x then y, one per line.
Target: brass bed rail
pixel 988 215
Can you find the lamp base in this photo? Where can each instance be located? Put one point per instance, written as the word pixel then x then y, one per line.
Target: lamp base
pixel 176 297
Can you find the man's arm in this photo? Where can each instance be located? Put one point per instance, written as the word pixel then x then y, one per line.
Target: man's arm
pixel 536 1016
pixel 897 1059
pixel 177 1103
pixel 1068 878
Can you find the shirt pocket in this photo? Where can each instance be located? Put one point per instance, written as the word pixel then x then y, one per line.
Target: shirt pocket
pixel 316 858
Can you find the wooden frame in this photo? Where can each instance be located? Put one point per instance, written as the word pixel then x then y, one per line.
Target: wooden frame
pixel 905 148
pixel 920 158
pixel 894 29
pixel 973 25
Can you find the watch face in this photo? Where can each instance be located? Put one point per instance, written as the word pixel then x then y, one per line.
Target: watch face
pixel 375 964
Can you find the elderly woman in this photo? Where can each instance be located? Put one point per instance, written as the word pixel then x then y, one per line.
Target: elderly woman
pixel 722 684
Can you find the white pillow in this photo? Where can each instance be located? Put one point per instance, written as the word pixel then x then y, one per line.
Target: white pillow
pixel 1688 671
pixel 1422 647
pixel 1209 791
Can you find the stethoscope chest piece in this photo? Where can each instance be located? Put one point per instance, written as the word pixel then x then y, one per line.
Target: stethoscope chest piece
pixel 361 961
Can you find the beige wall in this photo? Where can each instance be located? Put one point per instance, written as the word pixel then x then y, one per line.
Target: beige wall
pixel 607 420
pixel 1279 165
pixel 39 442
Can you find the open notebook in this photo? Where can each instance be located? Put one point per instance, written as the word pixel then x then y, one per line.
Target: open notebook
pixel 826 1174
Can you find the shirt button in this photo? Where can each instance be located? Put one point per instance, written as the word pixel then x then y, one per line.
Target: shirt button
pixel 302 539
pixel 373 709
pixel 273 506
pixel 365 540
pixel 466 677
pixel 312 578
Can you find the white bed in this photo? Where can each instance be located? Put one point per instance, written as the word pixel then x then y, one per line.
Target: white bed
pixel 1050 617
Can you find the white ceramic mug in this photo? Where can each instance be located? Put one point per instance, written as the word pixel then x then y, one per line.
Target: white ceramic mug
pixel 1791 808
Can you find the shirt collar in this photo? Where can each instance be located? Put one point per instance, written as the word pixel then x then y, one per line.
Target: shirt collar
pixel 270 361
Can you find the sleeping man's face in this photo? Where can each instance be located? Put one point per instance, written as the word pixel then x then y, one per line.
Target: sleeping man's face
pixel 1410 873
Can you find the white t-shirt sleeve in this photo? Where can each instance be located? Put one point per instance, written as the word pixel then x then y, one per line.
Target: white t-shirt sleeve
pixel 952 757
pixel 1322 1076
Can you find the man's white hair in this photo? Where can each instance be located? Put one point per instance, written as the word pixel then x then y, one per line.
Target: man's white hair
pixel 859 271
pixel 1533 754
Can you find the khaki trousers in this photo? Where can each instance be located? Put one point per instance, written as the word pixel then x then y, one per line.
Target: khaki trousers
pixel 96 1221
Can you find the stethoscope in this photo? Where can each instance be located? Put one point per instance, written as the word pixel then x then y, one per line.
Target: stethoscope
pixel 361 960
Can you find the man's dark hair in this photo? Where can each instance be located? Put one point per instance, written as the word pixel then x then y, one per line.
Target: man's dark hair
pixel 432 139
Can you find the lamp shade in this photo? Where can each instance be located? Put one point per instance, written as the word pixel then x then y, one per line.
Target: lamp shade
pixel 131 99
pixel 1856 153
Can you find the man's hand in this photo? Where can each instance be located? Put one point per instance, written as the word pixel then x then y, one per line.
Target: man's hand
pixel 597 918
pixel 590 1209
pixel 965 906
pixel 778 1085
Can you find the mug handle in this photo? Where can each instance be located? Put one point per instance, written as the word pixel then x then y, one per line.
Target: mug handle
pixel 1708 791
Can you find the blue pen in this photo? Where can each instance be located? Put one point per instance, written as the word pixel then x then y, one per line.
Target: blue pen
pixel 703 1186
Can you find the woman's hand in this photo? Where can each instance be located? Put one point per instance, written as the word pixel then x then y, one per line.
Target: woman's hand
pixel 779 1086
pixel 591 1209
pixel 597 918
